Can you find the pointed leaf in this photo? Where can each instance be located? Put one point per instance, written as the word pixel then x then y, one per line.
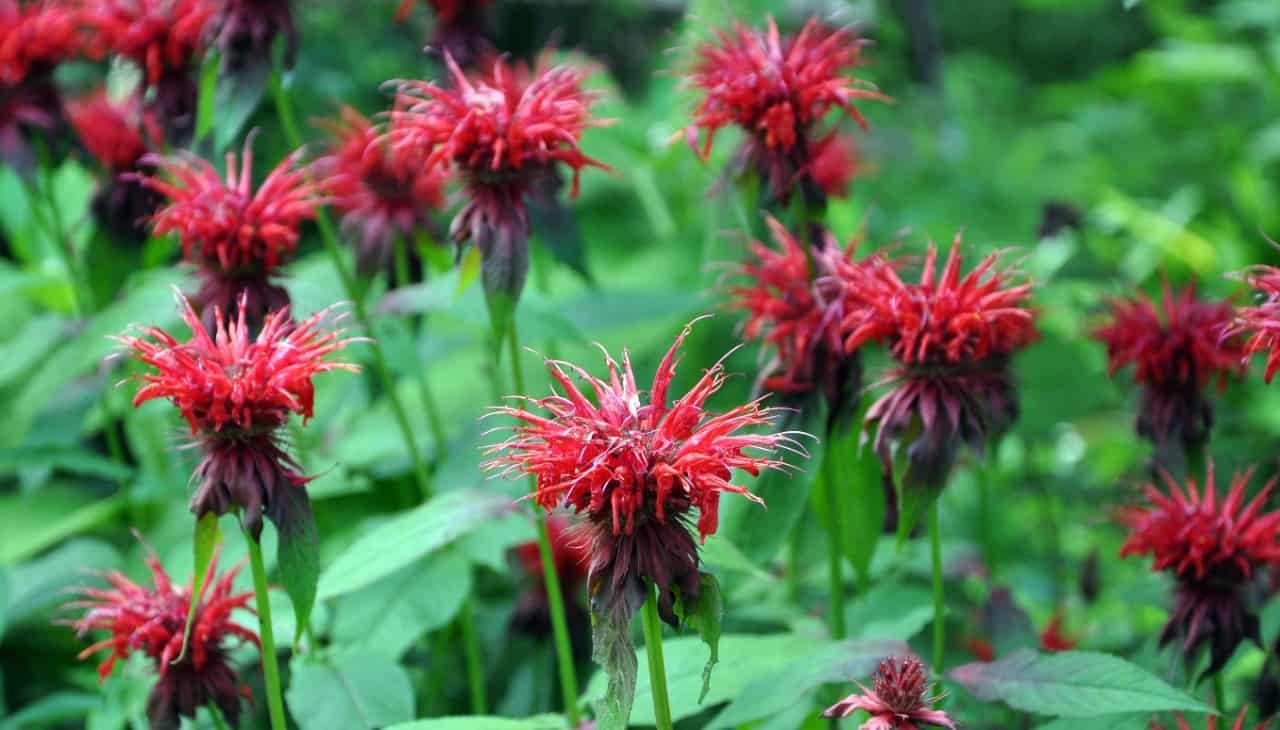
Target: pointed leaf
pixel 1072 684
pixel 858 474
pixel 705 617
pixel 205 543
pixel 351 691
pixel 298 555
pixel 237 97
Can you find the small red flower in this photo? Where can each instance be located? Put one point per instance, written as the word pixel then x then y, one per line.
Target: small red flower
pixel 382 192
pixel 1053 638
pixel 235 393
pixel 900 699
pixel 1215 548
pixel 835 163
pixel 236 236
pixel 36 36
pixel 116 133
pixel 151 622
pixel 952 336
pixel 637 470
pixel 1212 722
pixel 504 132
pixel 1175 350
pixel 1262 322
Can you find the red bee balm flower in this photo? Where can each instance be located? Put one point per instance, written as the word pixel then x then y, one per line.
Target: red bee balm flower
pixel 776 88
pixel 800 316
pixel 835 164
pixel 636 471
pixel 504 133
pixel 1215 548
pixel 164 38
pixel 1054 638
pixel 383 192
pixel 151 621
pixel 236 236
pixel 119 134
pixel 952 339
pixel 1262 322
pixel 532 613
pixel 235 392
pixel 1174 358
pixel 900 699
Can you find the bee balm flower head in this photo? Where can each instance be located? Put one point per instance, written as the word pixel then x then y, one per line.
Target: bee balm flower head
pixel 1262 322
pixel 637 472
pixel 150 622
pixel 1214 546
pixel 899 699
pixel 235 392
pixel 119 134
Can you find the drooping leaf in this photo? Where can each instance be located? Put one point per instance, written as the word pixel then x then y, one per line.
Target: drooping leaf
pixel 203 546
pixel 775 691
pixel 1072 684
pixel 298 554
pixel 611 648
pixel 705 617
pixel 354 690
pixel 479 722
pixel 410 536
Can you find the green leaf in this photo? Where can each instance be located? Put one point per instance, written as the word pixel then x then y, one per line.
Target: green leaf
pixel 478 722
pixel 705 617
pixel 1108 722
pixel 206 100
pixel 204 544
pixel 237 97
pixel 298 556
pixel 4 600
pixel 349 691
pixel 719 552
pixel 32 522
pixel 410 536
pixel 468 269
pixel 857 472
pixel 612 649
pixel 43 583
pixel 890 611
pixel 1072 684
pixel 750 656
pixel 556 226
pixel 1270 622
pixel 775 691
pixel 66 458
pixel 55 710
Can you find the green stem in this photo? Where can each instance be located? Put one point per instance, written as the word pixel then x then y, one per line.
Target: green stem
pixel 270 662
pixel 939 622
pixel 550 575
pixel 218 722
pixel 1219 692
pixel 475 664
pixel 349 284
pixel 657 668
pixel 835 544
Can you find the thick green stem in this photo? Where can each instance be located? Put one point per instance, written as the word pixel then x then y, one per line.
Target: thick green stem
pixel 270 663
pixel 939 621
pixel 835 544
pixel 475 665
pixel 657 667
pixel 550 576
pixel 351 286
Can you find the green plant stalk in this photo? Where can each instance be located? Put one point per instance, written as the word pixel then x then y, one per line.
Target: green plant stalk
pixel 214 713
pixel 270 662
pixel 475 665
pixel 550 575
pixel 652 625
pixel 939 622
pixel 835 542
pixel 349 284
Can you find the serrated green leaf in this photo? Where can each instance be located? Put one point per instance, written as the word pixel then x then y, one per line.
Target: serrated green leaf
pixel 410 536
pixel 1072 684
pixel 611 648
pixel 353 690
pixel 298 557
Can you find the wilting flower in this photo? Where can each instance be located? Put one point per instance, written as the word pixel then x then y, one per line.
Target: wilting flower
pixel 236 237
pixel 383 192
pixel 1212 722
pixel 834 164
pixel 532 614
pixel 952 339
pixel 34 38
pixel 164 38
pixel 1262 322
pixel 1215 548
pixel 118 134
pixel 504 133
pixel 899 700
pixel 1176 351
pixel 235 392
pixel 150 621
pixel 776 88
pixel 245 30
pixel 795 302
pixel 636 471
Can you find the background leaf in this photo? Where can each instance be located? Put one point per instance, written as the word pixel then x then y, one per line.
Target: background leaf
pixel 349 691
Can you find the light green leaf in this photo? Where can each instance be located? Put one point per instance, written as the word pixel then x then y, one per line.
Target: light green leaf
pixel 66 458
pixel 477 722
pixel 410 536
pixel 54 710
pixel 43 583
pixel 298 555
pixel 889 611
pixel 719 552
pixel 32 522
pixel 204 544
pixel 354 690
pixel 1072 684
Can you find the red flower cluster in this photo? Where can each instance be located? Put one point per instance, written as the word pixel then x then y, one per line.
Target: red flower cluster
pixel 952 336
pixel 1262 322
pixel 116 133
pixel 151 621
pixel 236 236
pixel 900 699
pixel 36 36
pixel 777 88
pixel 1214 547
pixel 234 393
pixel 637 470
pixel 383 192
pixel 505 133
pixel 1174 358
